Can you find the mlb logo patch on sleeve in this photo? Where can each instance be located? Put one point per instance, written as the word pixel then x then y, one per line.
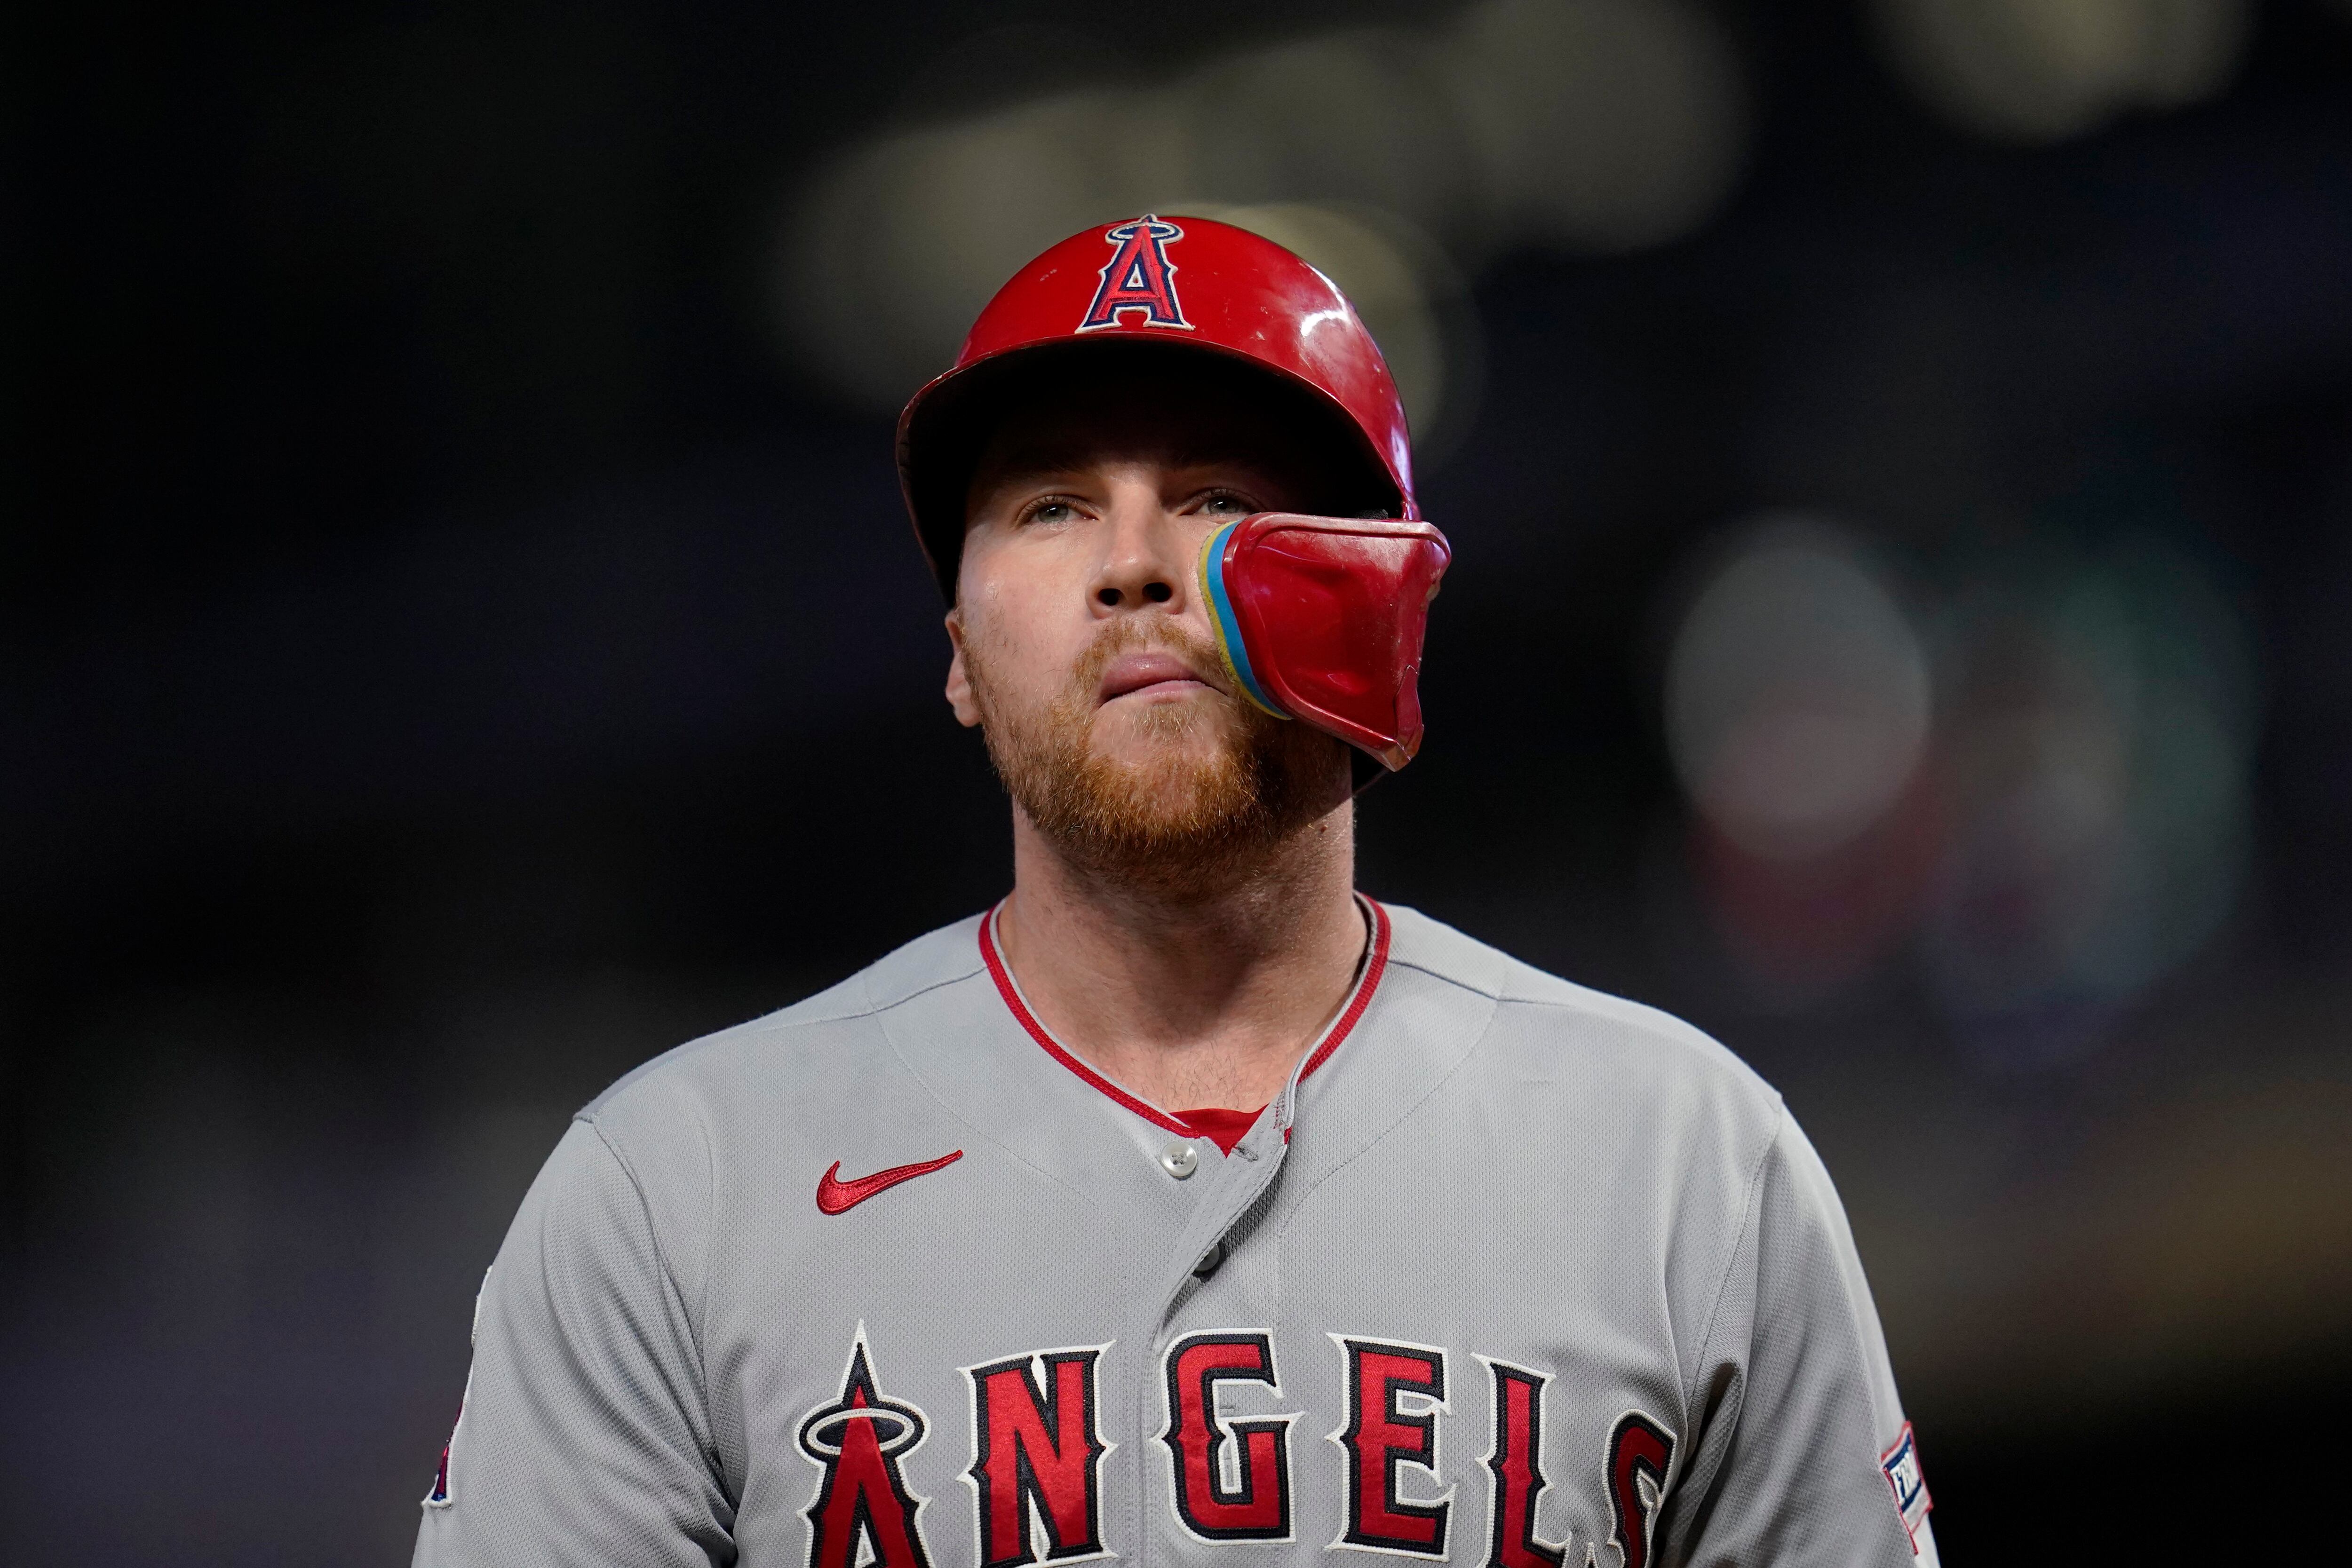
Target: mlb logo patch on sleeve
pixel 439 1496
pixel 1901 1467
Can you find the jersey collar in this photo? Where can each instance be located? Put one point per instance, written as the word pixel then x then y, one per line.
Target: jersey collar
pixel 1367 979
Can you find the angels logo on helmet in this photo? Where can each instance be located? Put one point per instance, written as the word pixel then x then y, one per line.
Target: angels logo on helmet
pixel 1138 276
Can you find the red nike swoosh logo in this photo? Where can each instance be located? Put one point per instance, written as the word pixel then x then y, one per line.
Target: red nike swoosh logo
pixel 834 1196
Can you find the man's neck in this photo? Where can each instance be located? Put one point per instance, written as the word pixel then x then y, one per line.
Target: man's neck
pixel 1205 999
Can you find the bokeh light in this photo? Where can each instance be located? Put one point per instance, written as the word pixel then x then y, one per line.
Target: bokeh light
pixel 2038 70
pixel 1597 125
pixel 2096 770
pixel 1798 709
pixel 2044 795
pixel 1796 693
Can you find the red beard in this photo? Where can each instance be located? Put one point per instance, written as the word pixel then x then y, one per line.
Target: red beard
pixel 1178 821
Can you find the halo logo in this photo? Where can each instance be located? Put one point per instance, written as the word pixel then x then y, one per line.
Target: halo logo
pixel 1138 277
pixel 857 1441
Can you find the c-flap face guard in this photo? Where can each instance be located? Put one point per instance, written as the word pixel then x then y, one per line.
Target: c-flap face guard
pixel 1321 619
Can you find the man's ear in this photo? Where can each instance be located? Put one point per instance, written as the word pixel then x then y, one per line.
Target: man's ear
pixel 960 697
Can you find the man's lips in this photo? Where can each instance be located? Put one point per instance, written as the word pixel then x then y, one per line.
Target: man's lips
pixel 1132 673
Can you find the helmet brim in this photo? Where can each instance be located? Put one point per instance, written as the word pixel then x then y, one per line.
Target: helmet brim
pixel 946 428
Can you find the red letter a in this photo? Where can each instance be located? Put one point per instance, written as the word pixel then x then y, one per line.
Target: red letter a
pixel 858 1440
pixel 1138 277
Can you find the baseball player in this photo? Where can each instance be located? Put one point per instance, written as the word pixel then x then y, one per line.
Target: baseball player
pixel 1188 1205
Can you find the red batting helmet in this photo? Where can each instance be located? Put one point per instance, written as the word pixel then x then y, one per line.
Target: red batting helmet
pixel 1189 283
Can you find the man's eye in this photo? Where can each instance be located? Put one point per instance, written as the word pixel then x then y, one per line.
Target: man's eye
pixel 1051 512
pixel 1226 506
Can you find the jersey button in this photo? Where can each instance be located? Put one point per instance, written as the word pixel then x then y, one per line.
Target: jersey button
pixel 1179 1160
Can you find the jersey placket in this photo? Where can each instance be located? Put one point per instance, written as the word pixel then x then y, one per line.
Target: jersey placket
pixel 1243 1181
pixel 1234 1184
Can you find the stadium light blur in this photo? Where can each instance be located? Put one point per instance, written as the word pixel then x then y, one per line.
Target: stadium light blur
pixel 2040 787
pixel 2041 70
pixel 1796 693
pixel 1593 125
pixel 2094 783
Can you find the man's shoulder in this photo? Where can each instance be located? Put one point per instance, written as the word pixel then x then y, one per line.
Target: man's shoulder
pixel 1543 1027
pixel 834 1031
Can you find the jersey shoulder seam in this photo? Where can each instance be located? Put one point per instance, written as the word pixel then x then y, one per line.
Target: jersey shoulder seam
pixel 1493 994
pixel 774 1024
pixel 1509 988
pixel 662 1256
pixel 1701 1051
pixel 767 1025
pixel 1738 1244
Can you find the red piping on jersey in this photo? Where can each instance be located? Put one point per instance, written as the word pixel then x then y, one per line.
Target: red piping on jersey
pixel 1375 964
pixel 1374 967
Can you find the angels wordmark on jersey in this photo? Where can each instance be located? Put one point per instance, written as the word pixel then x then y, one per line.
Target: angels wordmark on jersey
pixel 1036 1451
pixel 1510 1273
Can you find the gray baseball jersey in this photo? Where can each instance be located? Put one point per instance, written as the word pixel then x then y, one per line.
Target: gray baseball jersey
pixel 1511 1272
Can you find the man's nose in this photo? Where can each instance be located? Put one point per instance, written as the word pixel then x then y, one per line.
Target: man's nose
pixel 1143 561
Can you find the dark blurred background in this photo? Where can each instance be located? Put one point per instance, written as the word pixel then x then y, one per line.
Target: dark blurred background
pixel 461 639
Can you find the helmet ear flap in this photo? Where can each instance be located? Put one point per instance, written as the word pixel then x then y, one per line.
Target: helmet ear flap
pixel 1322 620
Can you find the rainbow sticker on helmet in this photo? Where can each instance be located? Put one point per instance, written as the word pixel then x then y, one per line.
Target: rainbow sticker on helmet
pixel 1230 647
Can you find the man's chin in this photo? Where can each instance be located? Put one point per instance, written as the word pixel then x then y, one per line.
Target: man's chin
pixel 1152 751
pixel 1169 790
pixel 1167 811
